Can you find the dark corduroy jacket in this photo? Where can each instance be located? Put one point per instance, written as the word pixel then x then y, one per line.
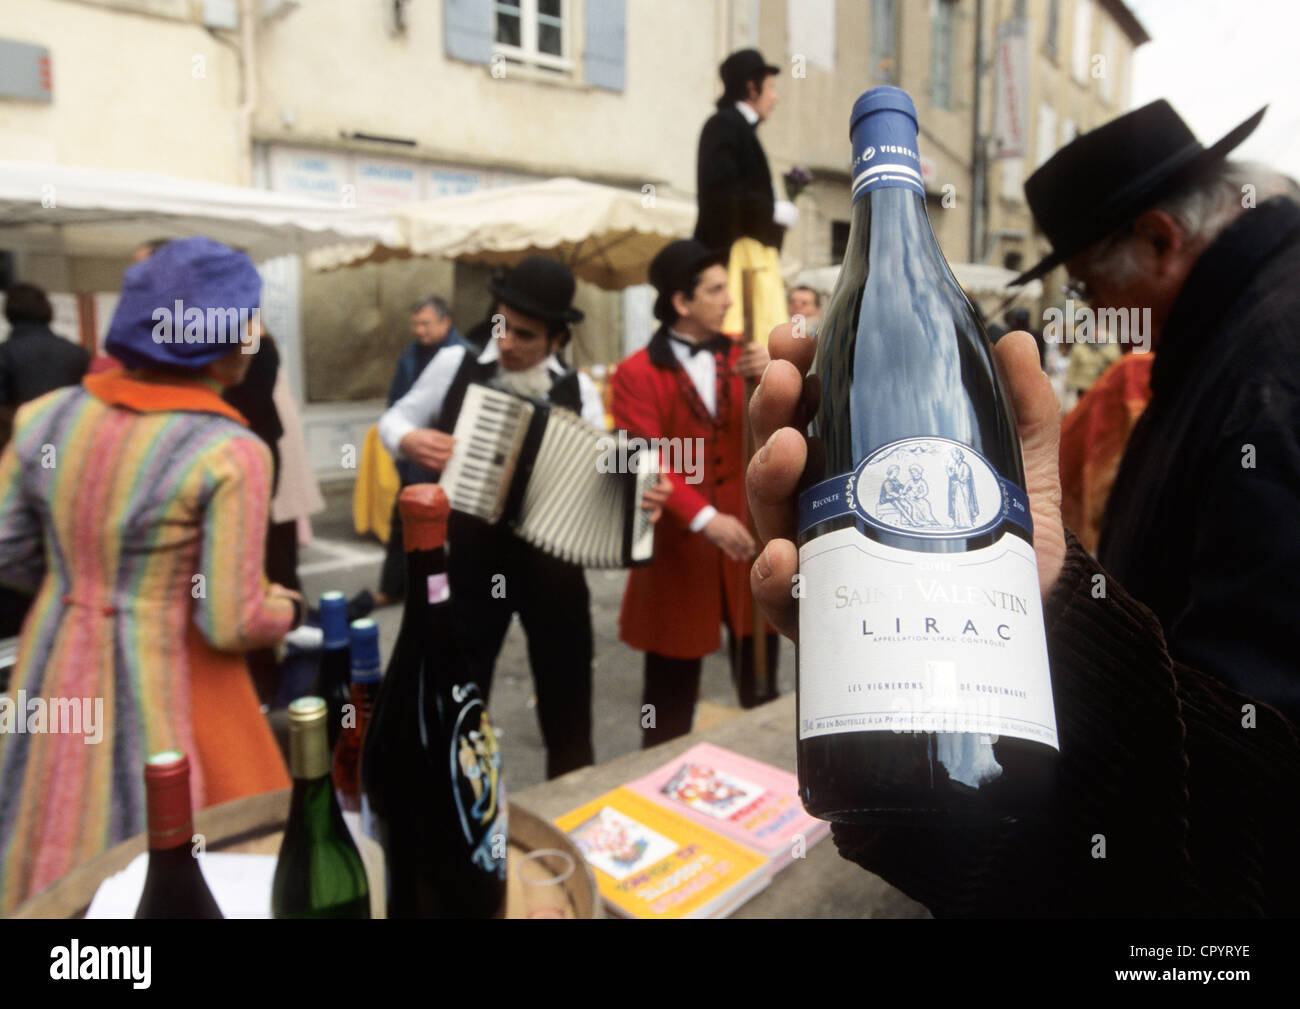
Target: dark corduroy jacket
pixel 1191 784
pixel 734 184
pixel 1203 522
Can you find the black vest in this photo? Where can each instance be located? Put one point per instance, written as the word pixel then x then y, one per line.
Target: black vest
pixel 565 390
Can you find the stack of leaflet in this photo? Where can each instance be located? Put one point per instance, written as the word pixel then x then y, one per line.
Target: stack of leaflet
pixel 694 839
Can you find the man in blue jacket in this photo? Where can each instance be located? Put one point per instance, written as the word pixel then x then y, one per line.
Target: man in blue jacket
pixel 432 329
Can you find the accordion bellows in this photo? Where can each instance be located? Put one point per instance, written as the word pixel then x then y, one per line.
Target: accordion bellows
pixel 548 474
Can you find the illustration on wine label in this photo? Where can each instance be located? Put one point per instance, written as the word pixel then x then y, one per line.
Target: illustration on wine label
pixel 931 487
pixel 479 791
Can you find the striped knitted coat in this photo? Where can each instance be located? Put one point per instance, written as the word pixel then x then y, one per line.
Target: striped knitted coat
pixel 138 511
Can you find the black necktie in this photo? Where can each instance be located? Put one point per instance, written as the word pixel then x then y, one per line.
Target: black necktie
pixel 715 345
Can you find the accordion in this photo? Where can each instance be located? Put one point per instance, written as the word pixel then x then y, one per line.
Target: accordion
pixel 552 477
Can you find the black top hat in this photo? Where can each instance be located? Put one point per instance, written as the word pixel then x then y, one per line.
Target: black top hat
pixel 1111 174
pixel 744 65
pixel 540 287
pixel 675 266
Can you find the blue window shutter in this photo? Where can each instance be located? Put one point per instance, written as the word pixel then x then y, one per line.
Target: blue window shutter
pixel 604 63
pixel 468 30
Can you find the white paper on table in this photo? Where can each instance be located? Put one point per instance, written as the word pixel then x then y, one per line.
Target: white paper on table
pixel 240 884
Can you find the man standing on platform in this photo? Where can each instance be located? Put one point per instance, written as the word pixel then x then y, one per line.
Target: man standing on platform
pixel 493 573
pixel 739 212
pixel 687 386
pixel 431 330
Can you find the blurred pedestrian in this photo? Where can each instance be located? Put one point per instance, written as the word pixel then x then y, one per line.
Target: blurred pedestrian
pixel 136 505
pixel 805 303
pixel 1201 521
pixel 432 329
pixel 738 209
pixel 686 387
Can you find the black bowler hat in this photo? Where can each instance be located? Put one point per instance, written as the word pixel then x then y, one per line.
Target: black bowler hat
pixel 540 287
pixel 674 268
pixel 744 65
pixel 1109 175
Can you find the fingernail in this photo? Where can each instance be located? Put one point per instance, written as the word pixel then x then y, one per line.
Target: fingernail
pixel 764 566
pixel 766 450
pixel 763 377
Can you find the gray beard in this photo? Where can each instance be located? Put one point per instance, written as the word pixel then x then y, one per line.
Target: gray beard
pixel 531 383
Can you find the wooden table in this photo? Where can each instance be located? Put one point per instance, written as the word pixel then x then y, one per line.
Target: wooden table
pixel 822 885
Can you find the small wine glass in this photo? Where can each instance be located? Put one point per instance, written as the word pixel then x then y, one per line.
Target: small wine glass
pixel 543 873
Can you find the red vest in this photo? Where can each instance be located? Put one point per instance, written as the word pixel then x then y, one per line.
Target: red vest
pixel 674 606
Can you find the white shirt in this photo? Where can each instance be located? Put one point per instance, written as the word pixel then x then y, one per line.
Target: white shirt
pixel 702 368
pixel 422 405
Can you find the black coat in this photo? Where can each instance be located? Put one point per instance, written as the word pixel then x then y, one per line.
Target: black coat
pixel 35 360
pixel 734 184
pixel 1203 523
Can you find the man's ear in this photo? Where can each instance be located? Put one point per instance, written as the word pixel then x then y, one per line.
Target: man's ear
pixel 1163 233
pixel 681 304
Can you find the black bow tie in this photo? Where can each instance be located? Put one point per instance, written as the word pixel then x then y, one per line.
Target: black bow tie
pixel 715 345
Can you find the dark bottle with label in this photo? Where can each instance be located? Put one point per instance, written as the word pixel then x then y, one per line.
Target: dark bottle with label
pixel 923 680
pixel 431 768
pixel 319 873
pixel 364 646
pixel 174 886
pixel 333 681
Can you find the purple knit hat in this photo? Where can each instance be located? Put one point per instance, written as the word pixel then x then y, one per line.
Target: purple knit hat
pixel 185 306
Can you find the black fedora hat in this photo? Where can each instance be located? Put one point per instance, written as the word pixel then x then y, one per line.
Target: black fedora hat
pixel 540 287
pixel 1109 175
pixel 675 265
pixel 744 65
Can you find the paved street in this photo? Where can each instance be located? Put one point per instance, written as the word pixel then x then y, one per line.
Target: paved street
pixel 339 559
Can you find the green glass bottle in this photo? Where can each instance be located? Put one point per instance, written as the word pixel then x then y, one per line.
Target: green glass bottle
pixel 319 873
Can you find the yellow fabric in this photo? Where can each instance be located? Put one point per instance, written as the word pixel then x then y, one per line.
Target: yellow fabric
pixel 769 289
pixel 376 488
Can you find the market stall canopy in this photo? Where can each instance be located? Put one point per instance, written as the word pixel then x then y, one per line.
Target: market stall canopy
pixel 64 209
pixel 607 236
pixel 978 280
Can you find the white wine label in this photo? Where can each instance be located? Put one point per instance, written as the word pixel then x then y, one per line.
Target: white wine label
pixel 896 640
pixel 934 488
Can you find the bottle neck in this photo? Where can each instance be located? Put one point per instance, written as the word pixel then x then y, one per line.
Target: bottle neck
pixel 426 579
pixel 310 805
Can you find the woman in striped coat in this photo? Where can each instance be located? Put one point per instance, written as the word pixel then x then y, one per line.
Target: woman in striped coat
pixel 135 505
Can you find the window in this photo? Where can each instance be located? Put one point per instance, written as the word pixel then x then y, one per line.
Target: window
pixel 1082 41
pixel 884 40
pixel 1046 140
pixel 943 19
pixel 1053 18
pixel 533 32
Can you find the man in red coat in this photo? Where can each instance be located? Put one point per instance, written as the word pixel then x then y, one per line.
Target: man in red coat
pixel 686 388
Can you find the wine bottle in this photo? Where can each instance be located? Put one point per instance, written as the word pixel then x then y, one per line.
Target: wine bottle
pixel 334 676
pixel 319 873
pixel 923 684
pixel 431 768
pixel 174 886
pixel 364 647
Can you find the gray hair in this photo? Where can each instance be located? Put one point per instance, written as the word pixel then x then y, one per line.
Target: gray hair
pixel 439 305
pixel 1201 209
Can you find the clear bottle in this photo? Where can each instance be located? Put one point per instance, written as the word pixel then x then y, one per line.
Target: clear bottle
pixel 924 688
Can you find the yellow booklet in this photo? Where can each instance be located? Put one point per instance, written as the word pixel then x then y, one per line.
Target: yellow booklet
pixel 652 863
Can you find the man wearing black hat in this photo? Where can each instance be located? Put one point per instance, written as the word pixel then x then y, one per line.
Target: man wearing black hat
pixel 687 387
pixel 534 313
pixel 739 213
pixel 1201 521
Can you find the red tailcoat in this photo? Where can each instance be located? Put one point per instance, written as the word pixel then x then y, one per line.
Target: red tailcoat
pixel 674 606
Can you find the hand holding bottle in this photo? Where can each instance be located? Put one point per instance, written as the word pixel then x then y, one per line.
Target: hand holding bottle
pixel 779 413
